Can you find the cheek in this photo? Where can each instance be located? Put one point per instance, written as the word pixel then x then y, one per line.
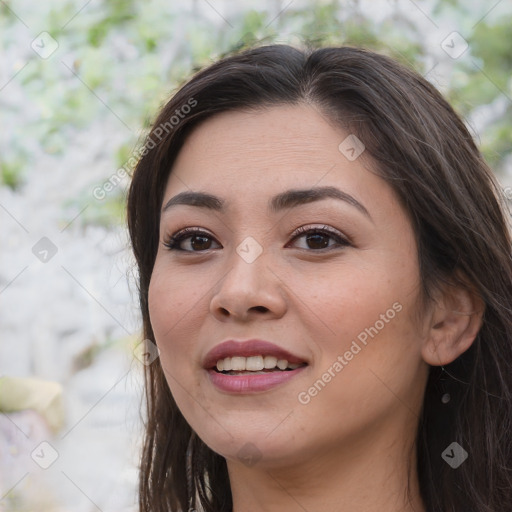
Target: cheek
pixel 171 302
pixel 363 314
pixel 341 301
pixel 174 298
pixel 173 306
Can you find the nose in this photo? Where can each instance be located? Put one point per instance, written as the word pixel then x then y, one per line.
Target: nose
pixel 249 291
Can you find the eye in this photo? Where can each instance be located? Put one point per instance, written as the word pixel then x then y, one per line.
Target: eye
pixel 319 238
pixel 190 240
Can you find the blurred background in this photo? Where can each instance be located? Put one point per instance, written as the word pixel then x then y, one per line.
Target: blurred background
pixel 80 82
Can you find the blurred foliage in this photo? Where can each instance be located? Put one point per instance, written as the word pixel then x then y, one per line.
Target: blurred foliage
pixel 132 56
pixel 107 212
pixel 11 173
pixel 87 356
pixel 485 78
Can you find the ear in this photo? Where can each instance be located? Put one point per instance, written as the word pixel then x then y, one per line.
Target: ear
pixel 455 319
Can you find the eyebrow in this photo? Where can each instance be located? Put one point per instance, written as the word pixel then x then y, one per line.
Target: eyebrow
pixel 288 199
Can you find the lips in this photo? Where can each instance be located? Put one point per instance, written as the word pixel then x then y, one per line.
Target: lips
pixel 253 347
pixel 235 379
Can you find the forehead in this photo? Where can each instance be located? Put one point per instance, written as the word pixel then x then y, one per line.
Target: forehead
pixel 262 139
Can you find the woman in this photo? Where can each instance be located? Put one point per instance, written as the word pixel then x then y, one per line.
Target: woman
pixel 325 268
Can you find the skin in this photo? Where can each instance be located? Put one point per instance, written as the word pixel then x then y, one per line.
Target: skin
pixel 351 447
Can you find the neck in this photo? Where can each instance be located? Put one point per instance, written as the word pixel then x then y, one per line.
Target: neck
pixel 362 476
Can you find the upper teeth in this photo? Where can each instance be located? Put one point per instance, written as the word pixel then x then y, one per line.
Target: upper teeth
pixel 253 363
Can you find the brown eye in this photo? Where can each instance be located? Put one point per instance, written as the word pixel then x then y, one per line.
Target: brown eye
pixel 200 243
pixel 320 238
pixel 317 241
pixel 191 240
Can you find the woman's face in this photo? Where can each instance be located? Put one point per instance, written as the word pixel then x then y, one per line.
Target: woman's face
pixel 302 248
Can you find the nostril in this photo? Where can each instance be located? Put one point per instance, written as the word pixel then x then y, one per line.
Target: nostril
pixel 263 309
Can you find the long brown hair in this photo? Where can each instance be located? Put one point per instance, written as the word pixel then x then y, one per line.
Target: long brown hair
pixel 423 150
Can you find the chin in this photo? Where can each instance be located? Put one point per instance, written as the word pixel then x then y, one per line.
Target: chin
pixel 256 451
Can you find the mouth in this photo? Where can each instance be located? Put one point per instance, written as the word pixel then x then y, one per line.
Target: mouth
pixel 251 366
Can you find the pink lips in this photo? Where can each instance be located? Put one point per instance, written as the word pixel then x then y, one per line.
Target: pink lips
pixel 249 382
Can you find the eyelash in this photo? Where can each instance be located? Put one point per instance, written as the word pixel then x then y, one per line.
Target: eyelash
pixel 174 241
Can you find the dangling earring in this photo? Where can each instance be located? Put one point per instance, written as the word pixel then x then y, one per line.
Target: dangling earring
pixel 445 397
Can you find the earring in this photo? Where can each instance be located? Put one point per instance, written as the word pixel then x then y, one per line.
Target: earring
pixel 445 397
